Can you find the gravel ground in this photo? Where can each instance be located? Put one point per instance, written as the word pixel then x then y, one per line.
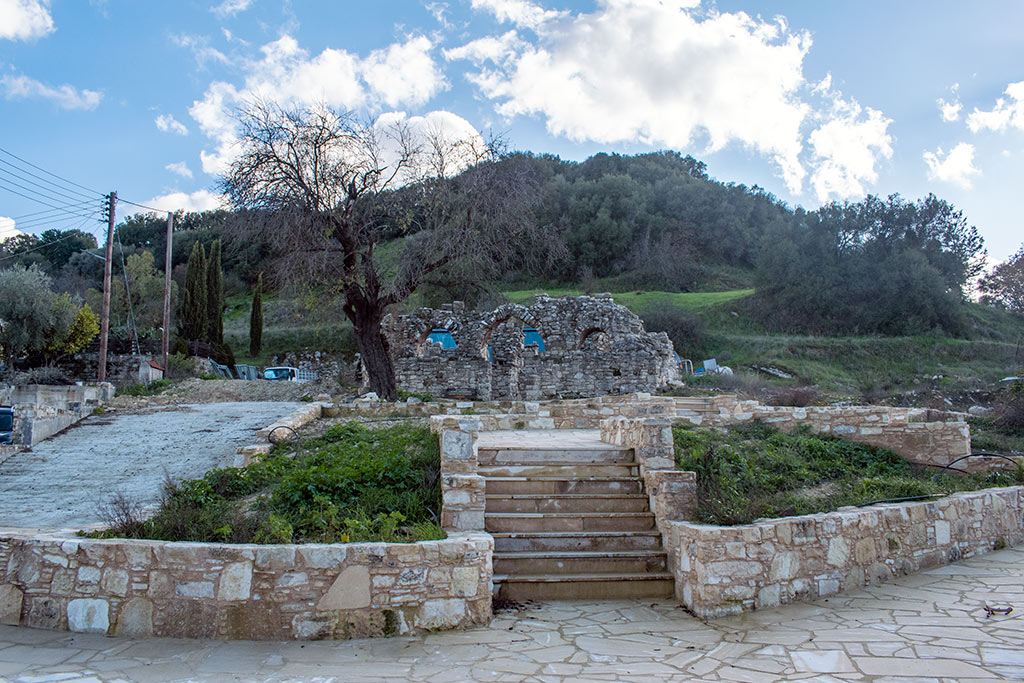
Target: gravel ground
pixel 192 391
pixel 63 481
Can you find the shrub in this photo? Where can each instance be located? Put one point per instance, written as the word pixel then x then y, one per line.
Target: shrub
pixel 44 375
pixel 1010 408
pixel 800 397
pixel 686 330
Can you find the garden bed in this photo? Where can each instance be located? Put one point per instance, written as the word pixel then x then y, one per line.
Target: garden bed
pixel 351 484
pixel 751 471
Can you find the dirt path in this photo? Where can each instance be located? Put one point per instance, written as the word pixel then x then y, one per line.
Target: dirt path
pixel 62 481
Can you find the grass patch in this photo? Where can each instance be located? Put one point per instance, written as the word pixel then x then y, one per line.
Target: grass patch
pixel 643 302
pixel 752 471
pixel 142 389
pixel 352 484
pixel 988 434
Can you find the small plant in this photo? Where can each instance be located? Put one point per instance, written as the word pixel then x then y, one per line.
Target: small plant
pixel 404 395
pixel 141 389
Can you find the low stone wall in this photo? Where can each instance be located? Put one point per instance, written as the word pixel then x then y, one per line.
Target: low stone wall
pixel 252 592
pixel 727 570
pixel 41 410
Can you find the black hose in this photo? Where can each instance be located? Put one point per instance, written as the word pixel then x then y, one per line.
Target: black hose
pixel 901 500
pixel 978 455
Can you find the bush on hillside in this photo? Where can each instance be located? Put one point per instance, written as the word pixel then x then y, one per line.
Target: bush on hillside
pixel 685 329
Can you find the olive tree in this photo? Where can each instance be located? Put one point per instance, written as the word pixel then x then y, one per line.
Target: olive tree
pixel 333 188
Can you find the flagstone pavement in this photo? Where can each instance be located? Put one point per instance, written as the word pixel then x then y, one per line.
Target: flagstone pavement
pixel 932 626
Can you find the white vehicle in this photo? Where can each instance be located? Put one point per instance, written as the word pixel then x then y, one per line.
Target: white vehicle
pixel 288 374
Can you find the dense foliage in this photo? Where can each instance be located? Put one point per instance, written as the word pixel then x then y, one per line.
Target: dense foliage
pixel 752 471
pixel 352 484
pixel 1004 286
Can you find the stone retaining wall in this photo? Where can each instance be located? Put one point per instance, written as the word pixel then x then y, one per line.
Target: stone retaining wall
pixel 727 570
pixel 252 592
pixel 41 410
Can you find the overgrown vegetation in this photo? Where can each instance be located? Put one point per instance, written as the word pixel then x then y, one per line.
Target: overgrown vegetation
pixel 143 389
pixel 751 471
pixel 352 484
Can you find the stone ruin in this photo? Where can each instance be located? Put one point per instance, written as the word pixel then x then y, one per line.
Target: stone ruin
pixel 570 347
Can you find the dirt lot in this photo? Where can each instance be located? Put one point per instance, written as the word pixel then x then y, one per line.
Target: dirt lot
pixel 62 482
pixel 225 391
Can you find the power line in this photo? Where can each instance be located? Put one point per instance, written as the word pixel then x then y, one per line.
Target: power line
pixel 65 180
pixel 49 183
pixel 142 206
pixel 46 192
pixel 52 220
pixel 67 206
pixel 34 199
pixel 48 244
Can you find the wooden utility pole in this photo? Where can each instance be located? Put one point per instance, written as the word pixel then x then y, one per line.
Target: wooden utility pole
pixel 167 291
pixel 108 254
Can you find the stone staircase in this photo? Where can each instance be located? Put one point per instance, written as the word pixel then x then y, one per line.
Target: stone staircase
pixel 570 521
pixel 689 407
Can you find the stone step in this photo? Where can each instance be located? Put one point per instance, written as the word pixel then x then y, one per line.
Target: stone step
pixel 563 485
pixel 540 541
pixel 573 502
pixel 521 456
pixel 567 521
pixel 585 586
pixel 565 470
pixel 587 562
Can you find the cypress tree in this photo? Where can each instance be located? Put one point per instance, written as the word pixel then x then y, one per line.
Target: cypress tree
pixel 214 296
pixel 193 305
pixel 256 319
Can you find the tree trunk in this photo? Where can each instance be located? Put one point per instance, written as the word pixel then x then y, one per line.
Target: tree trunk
pixel 373 350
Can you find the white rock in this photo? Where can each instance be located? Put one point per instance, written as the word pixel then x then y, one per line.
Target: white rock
pixel 88 615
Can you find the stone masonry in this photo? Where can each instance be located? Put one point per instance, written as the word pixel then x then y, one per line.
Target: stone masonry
pixel 726 570
pixel 272 592
pixel 592 346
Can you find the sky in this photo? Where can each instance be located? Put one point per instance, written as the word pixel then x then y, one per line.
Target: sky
pixel 812 101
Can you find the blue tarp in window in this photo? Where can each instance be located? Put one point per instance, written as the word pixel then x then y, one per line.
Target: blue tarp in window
pixel 531 337
pixel 442 338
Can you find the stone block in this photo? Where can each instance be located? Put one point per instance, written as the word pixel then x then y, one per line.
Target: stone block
pixel 87 615
pixel 115 581
pixel 235 581
pixel 465 581
pixel 136 619
pixel 188 619
pixel 194 589
pixel 322 557
pixel 441 613
pixel 351 590
pixel 44 613
pixel 11 599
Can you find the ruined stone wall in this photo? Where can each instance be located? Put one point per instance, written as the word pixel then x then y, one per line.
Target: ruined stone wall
pixel 592 347
pixel 274 592
pixel 727 570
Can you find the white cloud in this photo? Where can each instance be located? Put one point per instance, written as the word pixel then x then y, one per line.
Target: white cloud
pixel 654 73
pixel 179 168
pixel 230 7
pixel 846 148
pixel 950 111
pixel 402 74
pixel 7 228
pixel 1008 112
pixel 168 124
pixel 201 50
pixel 25 19
pixel 519 12
pixel 200 200
pixel 957 168
pixel 65 96
pixel 669 73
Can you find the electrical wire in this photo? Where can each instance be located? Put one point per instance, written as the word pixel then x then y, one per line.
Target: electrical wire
pixel 142 206
pixel 77 205
pixel 50 185
pixel 51 220
pixel 31 198
pixel 38 168
pixel 128 294
pixel 48 244
pixel 49 196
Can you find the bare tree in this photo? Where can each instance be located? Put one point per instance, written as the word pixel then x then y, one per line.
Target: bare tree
pixel 333 188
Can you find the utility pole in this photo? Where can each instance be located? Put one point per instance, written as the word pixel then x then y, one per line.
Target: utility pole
pixel 167 291
pixel 108 254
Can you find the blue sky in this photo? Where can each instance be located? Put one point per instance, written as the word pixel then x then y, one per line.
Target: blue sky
pixel 814 101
